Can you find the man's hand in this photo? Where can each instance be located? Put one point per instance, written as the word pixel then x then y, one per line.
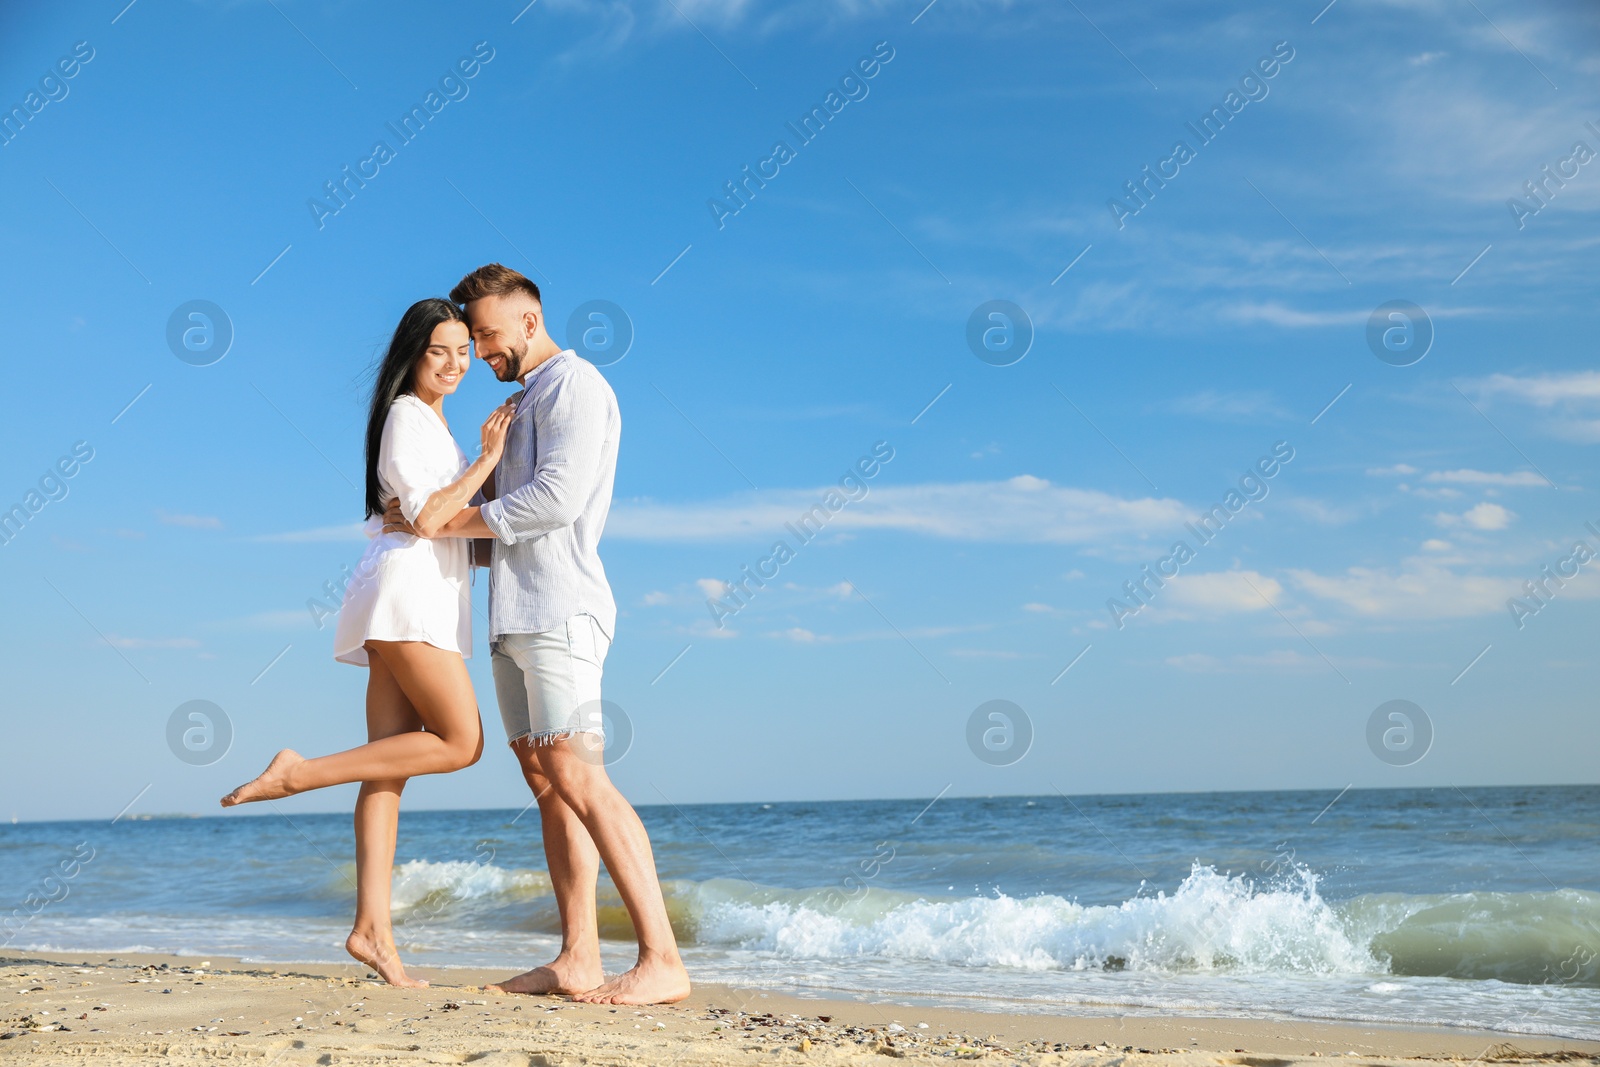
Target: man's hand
pixel 394 520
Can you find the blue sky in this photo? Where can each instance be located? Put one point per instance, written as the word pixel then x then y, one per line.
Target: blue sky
pixel 774 350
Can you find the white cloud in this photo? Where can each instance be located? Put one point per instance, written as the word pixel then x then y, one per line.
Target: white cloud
pixel 1023 509
pixel 1220 591
pixel 1273 313
pixel 1583 431
pixel 655 598
pixel 804 636
pixel 1321 512
pixel 1487 516
pixel 1483 516
pixel 1422 589
pixel 1276 314
pixel 1433 544
pixel 713 588
pixel 1501 129
pixel 1576 395
pixel 1463 476
pixel 1472 477
pixel 1545 390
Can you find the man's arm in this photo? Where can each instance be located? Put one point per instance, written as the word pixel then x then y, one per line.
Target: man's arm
pixel 571 431
pixel 571 423
pixel 465 523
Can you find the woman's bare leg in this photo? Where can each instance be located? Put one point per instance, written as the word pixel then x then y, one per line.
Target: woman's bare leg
pixel 377 819
pixel 436 683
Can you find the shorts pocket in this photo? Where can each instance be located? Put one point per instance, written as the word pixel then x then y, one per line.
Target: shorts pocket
pixel 600 643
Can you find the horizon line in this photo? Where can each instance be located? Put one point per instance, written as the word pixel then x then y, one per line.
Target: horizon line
pixel 155 816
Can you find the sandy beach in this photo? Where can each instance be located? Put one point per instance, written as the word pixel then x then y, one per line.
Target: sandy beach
pixel 67 1008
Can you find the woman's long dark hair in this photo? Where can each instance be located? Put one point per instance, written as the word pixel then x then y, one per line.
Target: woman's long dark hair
pixel 395 374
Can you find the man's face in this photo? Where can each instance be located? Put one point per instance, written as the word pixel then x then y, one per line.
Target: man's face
pixel 501 326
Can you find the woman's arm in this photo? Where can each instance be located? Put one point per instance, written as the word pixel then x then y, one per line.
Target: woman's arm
pixel 443 506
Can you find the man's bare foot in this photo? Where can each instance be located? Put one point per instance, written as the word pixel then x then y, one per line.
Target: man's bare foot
pixel 651 981
pixel 381 957
pixel 561 975
pixel 271 784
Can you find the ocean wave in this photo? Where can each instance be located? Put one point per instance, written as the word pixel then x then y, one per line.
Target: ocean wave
pixel 1212 923
pixel 1527 938
pixel 424 885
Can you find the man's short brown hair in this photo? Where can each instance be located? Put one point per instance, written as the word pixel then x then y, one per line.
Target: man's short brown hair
pixel 493 280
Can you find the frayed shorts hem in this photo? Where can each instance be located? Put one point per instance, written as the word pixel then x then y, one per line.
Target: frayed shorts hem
pixel 551 737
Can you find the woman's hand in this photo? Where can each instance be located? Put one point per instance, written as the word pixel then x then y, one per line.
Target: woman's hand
pixel 494 432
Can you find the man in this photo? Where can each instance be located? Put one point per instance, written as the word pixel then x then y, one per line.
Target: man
pixel 551 617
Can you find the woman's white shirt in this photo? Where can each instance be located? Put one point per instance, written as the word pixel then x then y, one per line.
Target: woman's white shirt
pixel 409 588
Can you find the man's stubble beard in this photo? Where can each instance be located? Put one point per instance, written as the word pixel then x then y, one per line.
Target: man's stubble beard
pixel 516 358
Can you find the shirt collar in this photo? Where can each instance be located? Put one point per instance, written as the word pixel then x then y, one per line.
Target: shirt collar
pixel 533 375
pixel 424 405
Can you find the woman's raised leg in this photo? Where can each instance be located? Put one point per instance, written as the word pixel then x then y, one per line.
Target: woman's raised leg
pixel 436 683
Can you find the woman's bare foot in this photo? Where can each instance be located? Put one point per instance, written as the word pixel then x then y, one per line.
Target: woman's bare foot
pixel 271 784
pixel 651 981
pixel 561 975
pixel 382 957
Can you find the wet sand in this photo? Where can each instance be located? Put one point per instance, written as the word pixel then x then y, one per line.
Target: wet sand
pixel 81 1009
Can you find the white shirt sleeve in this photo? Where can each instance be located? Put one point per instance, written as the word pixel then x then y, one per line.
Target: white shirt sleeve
pixel 403 458
pixel 571 417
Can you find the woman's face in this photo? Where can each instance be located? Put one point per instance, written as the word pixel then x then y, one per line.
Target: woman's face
pixel 439 370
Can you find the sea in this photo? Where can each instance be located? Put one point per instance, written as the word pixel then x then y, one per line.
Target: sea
pixel 1470 907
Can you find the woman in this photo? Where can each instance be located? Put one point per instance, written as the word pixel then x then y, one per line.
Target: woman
pixel 407 615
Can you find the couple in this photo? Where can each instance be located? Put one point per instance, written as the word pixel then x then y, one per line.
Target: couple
pixel 541 489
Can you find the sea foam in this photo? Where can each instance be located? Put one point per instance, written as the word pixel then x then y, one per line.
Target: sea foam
pixel 1212 923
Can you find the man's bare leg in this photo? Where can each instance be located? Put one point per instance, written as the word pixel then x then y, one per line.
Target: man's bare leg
pixel 574 865
pixel 579 778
